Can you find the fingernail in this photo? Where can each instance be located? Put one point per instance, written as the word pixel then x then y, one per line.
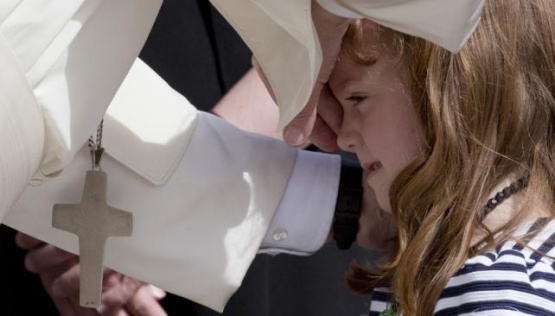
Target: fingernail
pixel 157 292
pixel 294 136
pixel 102 309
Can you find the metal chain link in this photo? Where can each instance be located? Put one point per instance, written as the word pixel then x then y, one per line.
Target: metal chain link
pixel 95 145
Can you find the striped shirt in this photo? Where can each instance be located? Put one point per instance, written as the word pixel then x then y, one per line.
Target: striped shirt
pixel 509 280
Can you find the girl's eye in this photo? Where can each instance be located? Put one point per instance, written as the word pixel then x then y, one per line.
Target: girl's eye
pixel 356 99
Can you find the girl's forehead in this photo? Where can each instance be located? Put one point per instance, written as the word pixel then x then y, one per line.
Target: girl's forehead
pixel 367 38
pixel 372 32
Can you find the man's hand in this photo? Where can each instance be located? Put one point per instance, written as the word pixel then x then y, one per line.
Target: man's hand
pixel 320 119
pixel 59 273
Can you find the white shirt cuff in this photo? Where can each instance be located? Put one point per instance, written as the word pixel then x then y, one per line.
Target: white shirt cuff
pixel 303 219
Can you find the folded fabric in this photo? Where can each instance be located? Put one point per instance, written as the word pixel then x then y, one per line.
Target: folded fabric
pixel 284 41
pixel 199 219
pixel 61 67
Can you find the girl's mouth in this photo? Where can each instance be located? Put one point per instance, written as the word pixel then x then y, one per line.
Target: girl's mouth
pixel 372 168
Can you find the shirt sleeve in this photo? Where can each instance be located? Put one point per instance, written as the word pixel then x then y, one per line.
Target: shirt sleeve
pixel 203 193
pixel 303 219
pixel 61 66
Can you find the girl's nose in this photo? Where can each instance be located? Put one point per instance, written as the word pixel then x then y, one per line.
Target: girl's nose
pixel 348 138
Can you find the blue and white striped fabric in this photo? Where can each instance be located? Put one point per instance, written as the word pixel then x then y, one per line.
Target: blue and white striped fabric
pixel 510 280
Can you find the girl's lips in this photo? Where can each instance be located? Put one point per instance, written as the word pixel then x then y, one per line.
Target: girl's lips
pixel 372 168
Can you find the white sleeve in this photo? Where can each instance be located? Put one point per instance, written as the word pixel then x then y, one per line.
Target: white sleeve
pixel 22 136
pixel 60 66
pixel 203 192
pixel 302 222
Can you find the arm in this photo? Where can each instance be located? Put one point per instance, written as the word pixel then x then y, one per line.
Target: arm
pixel 249 106
pixel 173 199
pixel 300 226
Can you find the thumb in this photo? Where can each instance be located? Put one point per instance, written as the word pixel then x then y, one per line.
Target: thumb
pixel 297 132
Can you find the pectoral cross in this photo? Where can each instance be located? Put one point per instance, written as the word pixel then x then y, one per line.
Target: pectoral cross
pixel 93 221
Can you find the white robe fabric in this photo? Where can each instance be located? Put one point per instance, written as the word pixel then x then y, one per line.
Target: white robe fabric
pixel 61 66
pixel 203 193
pixel 196 233
pixel 283 39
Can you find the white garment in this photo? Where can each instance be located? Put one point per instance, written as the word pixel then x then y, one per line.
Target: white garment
pixel 62 65
pixel 203 193
pixel 283 39
pixel 197 228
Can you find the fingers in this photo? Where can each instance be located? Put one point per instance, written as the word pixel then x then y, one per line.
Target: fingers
pixel 70 307
pixel 63 304
pixel 329 109
pixel 116 288
pixel 306 125
pixel 328 122
pixel 125 294
pixel 117 291
pixel 145 302
pixel 41 257
pixel 323 137
pixel 156 292
pixel 67 284
pixel 330 29
pixel 59 273
pixel 132 297
pixel 26 242
pixel 122 295
pixel 121 292
pixel 45 257
pixel 296 133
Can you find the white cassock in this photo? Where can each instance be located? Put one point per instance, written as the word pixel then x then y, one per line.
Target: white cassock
pixel 203 193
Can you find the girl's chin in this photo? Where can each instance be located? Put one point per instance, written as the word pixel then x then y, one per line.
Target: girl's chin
pixel 384 204
pixel 381 192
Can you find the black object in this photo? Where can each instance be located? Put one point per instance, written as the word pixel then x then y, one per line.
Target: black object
pixel 348 206
pixel 502 195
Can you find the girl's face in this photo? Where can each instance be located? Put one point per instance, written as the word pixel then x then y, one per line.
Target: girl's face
pixel 379 122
